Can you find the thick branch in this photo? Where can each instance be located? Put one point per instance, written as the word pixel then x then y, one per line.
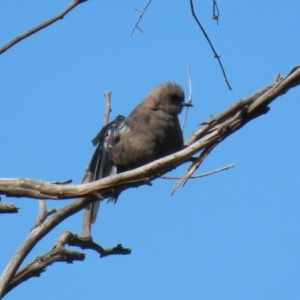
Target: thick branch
pixel 40 26
pixel 214 130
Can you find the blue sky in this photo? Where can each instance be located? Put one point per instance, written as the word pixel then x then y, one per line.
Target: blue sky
pixel 233 235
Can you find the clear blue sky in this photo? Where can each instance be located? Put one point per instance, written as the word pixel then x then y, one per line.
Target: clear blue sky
pixel 233 235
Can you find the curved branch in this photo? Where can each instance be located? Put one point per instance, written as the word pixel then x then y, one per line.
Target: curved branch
pixel 39 264
pixel 40 26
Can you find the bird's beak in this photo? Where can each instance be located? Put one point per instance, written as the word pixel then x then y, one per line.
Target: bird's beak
pixel 188 104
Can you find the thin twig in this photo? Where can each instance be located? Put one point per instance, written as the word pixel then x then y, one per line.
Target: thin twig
pixel 88 177
pixel 40 26
pixel 143 10
pixel 200 175
pixel 43 214
pixel 210 44
pixel 216 13
pixel 107 96
pixel 190 97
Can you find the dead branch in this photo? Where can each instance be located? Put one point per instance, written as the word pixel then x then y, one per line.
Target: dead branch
pixel 142 11
pixel 35 236
pixel 107 96
pixel 41 26
pixel 217 56
pixel 190 97
pixel 87 243
pixel 43 214
pixel 216 13
pixel 212 132
pixel 40 263
pixel 8 208
pixel 200 175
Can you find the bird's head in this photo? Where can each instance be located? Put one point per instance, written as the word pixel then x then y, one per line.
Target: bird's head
pixel 168 97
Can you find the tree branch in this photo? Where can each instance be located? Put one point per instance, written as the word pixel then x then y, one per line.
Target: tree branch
pixel 40 263
pixel 8 208
pixel 88 243
pixel 136 25
pixel 217 56
pixel 212 132
pixel 43 214
pixel 40 26
pixel 190 97
pixel 201 175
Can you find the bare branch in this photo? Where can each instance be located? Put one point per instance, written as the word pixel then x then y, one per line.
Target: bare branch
pixel 87 243
pixel 211 133
pixel 43 214
pixel 142 11
pixel 216 13
pixel 210 44
pixel 200 175
pixel 107 96
pixel 213 130
pixel 190 97
pixel 40 26
pixel 87 213
pixel 8 208
pixel 40 263
pixel 34 237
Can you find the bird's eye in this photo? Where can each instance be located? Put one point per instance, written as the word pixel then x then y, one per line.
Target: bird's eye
pixel 175 98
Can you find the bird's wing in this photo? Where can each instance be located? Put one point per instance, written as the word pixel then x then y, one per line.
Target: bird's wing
pixel 101 164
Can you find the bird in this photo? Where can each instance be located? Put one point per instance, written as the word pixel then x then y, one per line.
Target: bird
pixel 151 131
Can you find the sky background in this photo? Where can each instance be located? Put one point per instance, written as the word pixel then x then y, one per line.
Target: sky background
pixel 233 235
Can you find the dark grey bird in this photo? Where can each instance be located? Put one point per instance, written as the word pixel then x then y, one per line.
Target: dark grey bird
pixel 151 131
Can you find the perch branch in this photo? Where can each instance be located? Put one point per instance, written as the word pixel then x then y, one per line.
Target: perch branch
pixel 212 132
